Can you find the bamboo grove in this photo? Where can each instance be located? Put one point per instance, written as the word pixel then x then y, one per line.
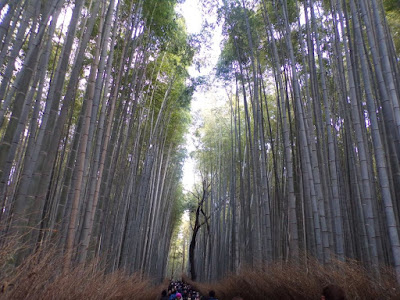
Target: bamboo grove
pixel 303 159
pixel 94 105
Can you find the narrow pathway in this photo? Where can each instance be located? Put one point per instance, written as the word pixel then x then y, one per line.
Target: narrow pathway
pixel 186 292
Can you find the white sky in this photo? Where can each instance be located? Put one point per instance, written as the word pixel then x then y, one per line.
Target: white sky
pixel 192 12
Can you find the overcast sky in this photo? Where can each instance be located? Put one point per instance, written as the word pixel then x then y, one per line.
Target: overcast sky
pixel 192 12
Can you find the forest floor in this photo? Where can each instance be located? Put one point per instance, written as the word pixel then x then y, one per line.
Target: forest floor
pixel 42 277
pixel 283 281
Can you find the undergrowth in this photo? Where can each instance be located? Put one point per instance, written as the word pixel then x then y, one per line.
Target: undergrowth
pixel 285 281
pixel 41 276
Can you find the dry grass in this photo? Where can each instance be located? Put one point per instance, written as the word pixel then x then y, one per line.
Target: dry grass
pixel 300 281
pixel 41 277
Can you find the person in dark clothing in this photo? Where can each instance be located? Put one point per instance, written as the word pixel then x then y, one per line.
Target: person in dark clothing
pixel 333 292
pixel 172 296
pixel 211 295
pixel 164 295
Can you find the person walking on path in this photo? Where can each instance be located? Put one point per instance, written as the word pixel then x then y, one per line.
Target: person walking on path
pixel 164 295
pixel 172 296
pixel 333 292
pixel 211 295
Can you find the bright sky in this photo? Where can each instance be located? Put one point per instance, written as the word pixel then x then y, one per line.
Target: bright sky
pixel 192 12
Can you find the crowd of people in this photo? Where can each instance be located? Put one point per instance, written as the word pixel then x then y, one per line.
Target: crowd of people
pixel 179 290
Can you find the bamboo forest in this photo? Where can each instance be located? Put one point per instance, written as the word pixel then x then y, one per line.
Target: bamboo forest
pixel 256 156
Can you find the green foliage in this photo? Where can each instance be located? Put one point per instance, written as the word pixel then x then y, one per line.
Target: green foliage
pixel 179 206
pixel 391 5
pixel 216 140
pixel 236 44
pixel 160 17
pixel 225 65
pixel 275 11
pixel 235 30
pixel 392 9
